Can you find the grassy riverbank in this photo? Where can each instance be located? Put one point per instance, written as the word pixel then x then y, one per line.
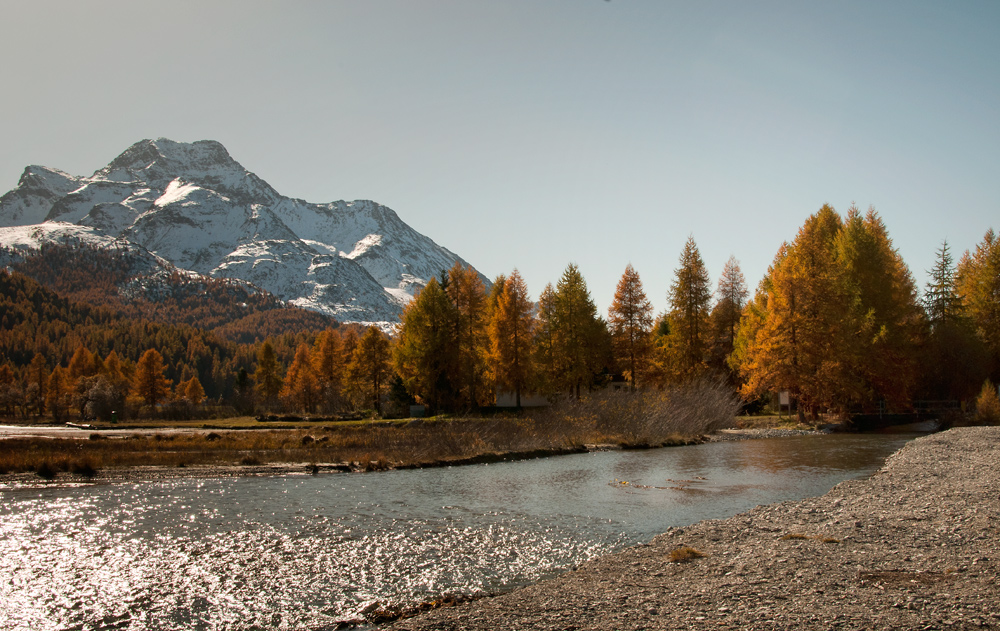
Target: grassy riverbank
pixel 678 416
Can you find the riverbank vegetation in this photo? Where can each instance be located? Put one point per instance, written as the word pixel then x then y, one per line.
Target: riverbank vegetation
pixel 837 324
pixel 672 416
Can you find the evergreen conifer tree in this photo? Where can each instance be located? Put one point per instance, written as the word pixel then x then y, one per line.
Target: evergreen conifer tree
pixel 580 339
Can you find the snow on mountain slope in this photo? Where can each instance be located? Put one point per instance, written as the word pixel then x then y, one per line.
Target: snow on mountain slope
pixel 23 239
pixel 205 163
pixel 193 205
pixel 33 237
pixel 74 206
pixel 322 282
pixel 32 199
pixel 373 236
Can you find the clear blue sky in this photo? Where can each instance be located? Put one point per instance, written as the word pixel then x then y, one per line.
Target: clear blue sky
pixel 530 134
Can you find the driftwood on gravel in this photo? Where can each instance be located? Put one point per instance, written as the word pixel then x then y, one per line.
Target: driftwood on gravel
pixel 914 547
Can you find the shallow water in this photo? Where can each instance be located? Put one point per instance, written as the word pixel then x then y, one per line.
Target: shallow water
pixel 299 551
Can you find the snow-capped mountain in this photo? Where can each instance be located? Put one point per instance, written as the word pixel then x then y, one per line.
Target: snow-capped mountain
pixel 194 206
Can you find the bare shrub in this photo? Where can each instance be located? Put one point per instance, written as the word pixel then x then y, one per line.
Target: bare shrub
pixel 651 417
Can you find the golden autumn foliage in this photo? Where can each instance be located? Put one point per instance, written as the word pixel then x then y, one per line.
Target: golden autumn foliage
pixel 988 404
pixel 630 321
pixel 300 389
pixel 193 392
pixel 977 285
pixel 884 311
pixel 510 330
pixel 683 355
pixel 329 364
pixel 835 322
pixel 425 355
pixel 370 369
pixel 468 296
pixel 148 382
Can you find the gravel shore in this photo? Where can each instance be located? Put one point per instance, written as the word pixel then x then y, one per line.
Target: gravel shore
pixel 914 547
pixel 765 432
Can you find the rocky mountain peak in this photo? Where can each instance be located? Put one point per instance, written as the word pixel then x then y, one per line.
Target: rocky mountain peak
pixel 167 155
pixel 199 209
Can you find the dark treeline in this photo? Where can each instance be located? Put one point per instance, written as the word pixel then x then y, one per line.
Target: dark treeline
pixel 837 322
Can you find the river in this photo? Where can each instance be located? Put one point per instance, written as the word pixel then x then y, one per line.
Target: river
pixel 302 551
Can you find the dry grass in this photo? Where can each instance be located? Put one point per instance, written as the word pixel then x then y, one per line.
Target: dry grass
pixel 685 555
pixel 801 536
pixel 677 416
pixel 235 422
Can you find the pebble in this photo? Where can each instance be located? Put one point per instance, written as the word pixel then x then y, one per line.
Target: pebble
pixel 917 550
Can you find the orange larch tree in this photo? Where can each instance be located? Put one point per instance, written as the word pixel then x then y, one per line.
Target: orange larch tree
pixel 630 321
pixel 194 393
pixel 370 368
pixel 267 376
pixel 977 281
pixel 300 390
pixel 328 365
pixel 510 332
pixel 885 312
pixel 468 295
pixel 148 382
pixel 689 297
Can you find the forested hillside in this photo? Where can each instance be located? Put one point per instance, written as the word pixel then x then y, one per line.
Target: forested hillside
pixel 122 280
pixel 88 304
pixel 838 323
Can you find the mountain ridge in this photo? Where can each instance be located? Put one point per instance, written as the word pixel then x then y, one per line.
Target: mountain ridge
pixel 194 206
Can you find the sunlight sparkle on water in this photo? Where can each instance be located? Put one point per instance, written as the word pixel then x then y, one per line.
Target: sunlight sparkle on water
pixel 290 552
